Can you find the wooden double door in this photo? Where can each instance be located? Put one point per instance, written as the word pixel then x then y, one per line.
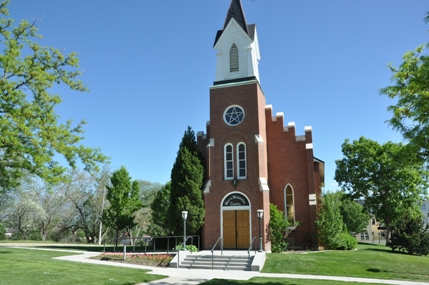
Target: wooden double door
pixel 236 229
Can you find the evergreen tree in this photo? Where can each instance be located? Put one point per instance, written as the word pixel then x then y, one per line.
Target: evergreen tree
pixel 123 196
pixel 186 187
pixel 410 234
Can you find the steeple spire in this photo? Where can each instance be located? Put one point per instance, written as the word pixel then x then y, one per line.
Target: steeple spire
pixel 236 12
pixel 237 46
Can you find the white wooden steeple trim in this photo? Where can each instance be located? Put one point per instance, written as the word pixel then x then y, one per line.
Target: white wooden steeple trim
pixel 248 53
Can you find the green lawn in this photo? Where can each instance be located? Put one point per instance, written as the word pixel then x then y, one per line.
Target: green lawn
pixel 280 281
pixel 368 261
pixel 24 266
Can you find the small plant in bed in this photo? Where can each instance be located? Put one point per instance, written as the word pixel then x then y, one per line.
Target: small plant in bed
pixel 158 260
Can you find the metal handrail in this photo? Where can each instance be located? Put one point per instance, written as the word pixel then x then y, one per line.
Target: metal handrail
pixel 250 247
pixel 221 252
pixel 178 252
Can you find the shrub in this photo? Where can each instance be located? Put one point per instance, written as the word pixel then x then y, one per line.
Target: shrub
pixel 410 235
pixel 278 229
pixel 191 248
pixel 346 241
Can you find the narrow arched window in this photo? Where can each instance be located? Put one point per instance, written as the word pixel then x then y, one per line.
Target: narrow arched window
pixel 289 205
pixel 233 59
pixel 229 161
pixel 241 161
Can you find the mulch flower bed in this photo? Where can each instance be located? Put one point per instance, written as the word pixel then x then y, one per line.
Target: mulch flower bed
pixel 157 260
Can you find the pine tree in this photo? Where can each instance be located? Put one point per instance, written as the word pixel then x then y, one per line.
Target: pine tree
pixel 186 187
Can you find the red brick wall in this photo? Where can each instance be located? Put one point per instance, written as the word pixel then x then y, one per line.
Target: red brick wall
pixel 281 159
pixel 290 162
pixel 250 97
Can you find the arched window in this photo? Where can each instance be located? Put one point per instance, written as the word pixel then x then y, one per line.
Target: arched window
pixel 229 161
pixel 233 59
pixel 289 204
pixel 241 161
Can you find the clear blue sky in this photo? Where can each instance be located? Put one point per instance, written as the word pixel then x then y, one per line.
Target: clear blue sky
pixel 149 66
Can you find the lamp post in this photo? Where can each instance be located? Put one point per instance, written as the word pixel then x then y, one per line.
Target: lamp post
pixel 184 216
pixel 260 215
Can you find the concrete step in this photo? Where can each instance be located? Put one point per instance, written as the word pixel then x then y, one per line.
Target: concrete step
pixel 216 267
pixel 219 262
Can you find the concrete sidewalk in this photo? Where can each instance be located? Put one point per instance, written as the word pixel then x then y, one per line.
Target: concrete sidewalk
pixel 189 277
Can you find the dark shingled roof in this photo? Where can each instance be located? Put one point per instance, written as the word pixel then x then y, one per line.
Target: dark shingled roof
pixel 236 11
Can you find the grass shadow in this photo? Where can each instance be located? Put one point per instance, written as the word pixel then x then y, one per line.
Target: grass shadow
pixel 5 252
pixel 83 248
pixel 236 282
pixel 388 251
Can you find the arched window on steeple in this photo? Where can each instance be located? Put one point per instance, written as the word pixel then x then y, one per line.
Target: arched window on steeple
pixel 233 59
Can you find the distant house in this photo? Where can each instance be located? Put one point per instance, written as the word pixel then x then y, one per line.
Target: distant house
pixel 374 232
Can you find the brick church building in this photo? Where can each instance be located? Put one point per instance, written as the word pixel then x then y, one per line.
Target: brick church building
pixel 253 158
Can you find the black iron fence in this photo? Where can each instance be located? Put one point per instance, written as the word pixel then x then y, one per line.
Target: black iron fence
pixel 151 244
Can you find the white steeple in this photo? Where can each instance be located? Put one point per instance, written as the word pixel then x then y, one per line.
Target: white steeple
pixel 237 47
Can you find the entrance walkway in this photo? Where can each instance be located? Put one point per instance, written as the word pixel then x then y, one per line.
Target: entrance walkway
pixel 190 277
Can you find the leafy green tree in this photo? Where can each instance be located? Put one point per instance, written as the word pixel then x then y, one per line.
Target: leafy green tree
pixel 31 134
pixel 123 196
pixel 409 234
pixel 278 229
pixel 386 177
pixel 186 187
pixel 410 90
pixel 355 217
pixel 331 228
pixel 329 220
pixel 159 225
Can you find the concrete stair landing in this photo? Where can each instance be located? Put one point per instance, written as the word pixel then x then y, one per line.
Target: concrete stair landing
pixel 226 260
pixel 220 262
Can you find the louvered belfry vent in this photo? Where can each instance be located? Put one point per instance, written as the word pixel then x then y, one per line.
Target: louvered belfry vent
pixel 233 59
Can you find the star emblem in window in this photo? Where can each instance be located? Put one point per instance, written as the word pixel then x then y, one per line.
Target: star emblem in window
pixel 233 115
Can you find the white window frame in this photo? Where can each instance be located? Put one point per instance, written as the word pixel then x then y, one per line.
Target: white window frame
pixel 226 161
pixel 244 160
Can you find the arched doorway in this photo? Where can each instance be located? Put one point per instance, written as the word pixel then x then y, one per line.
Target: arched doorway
pixel 236 221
